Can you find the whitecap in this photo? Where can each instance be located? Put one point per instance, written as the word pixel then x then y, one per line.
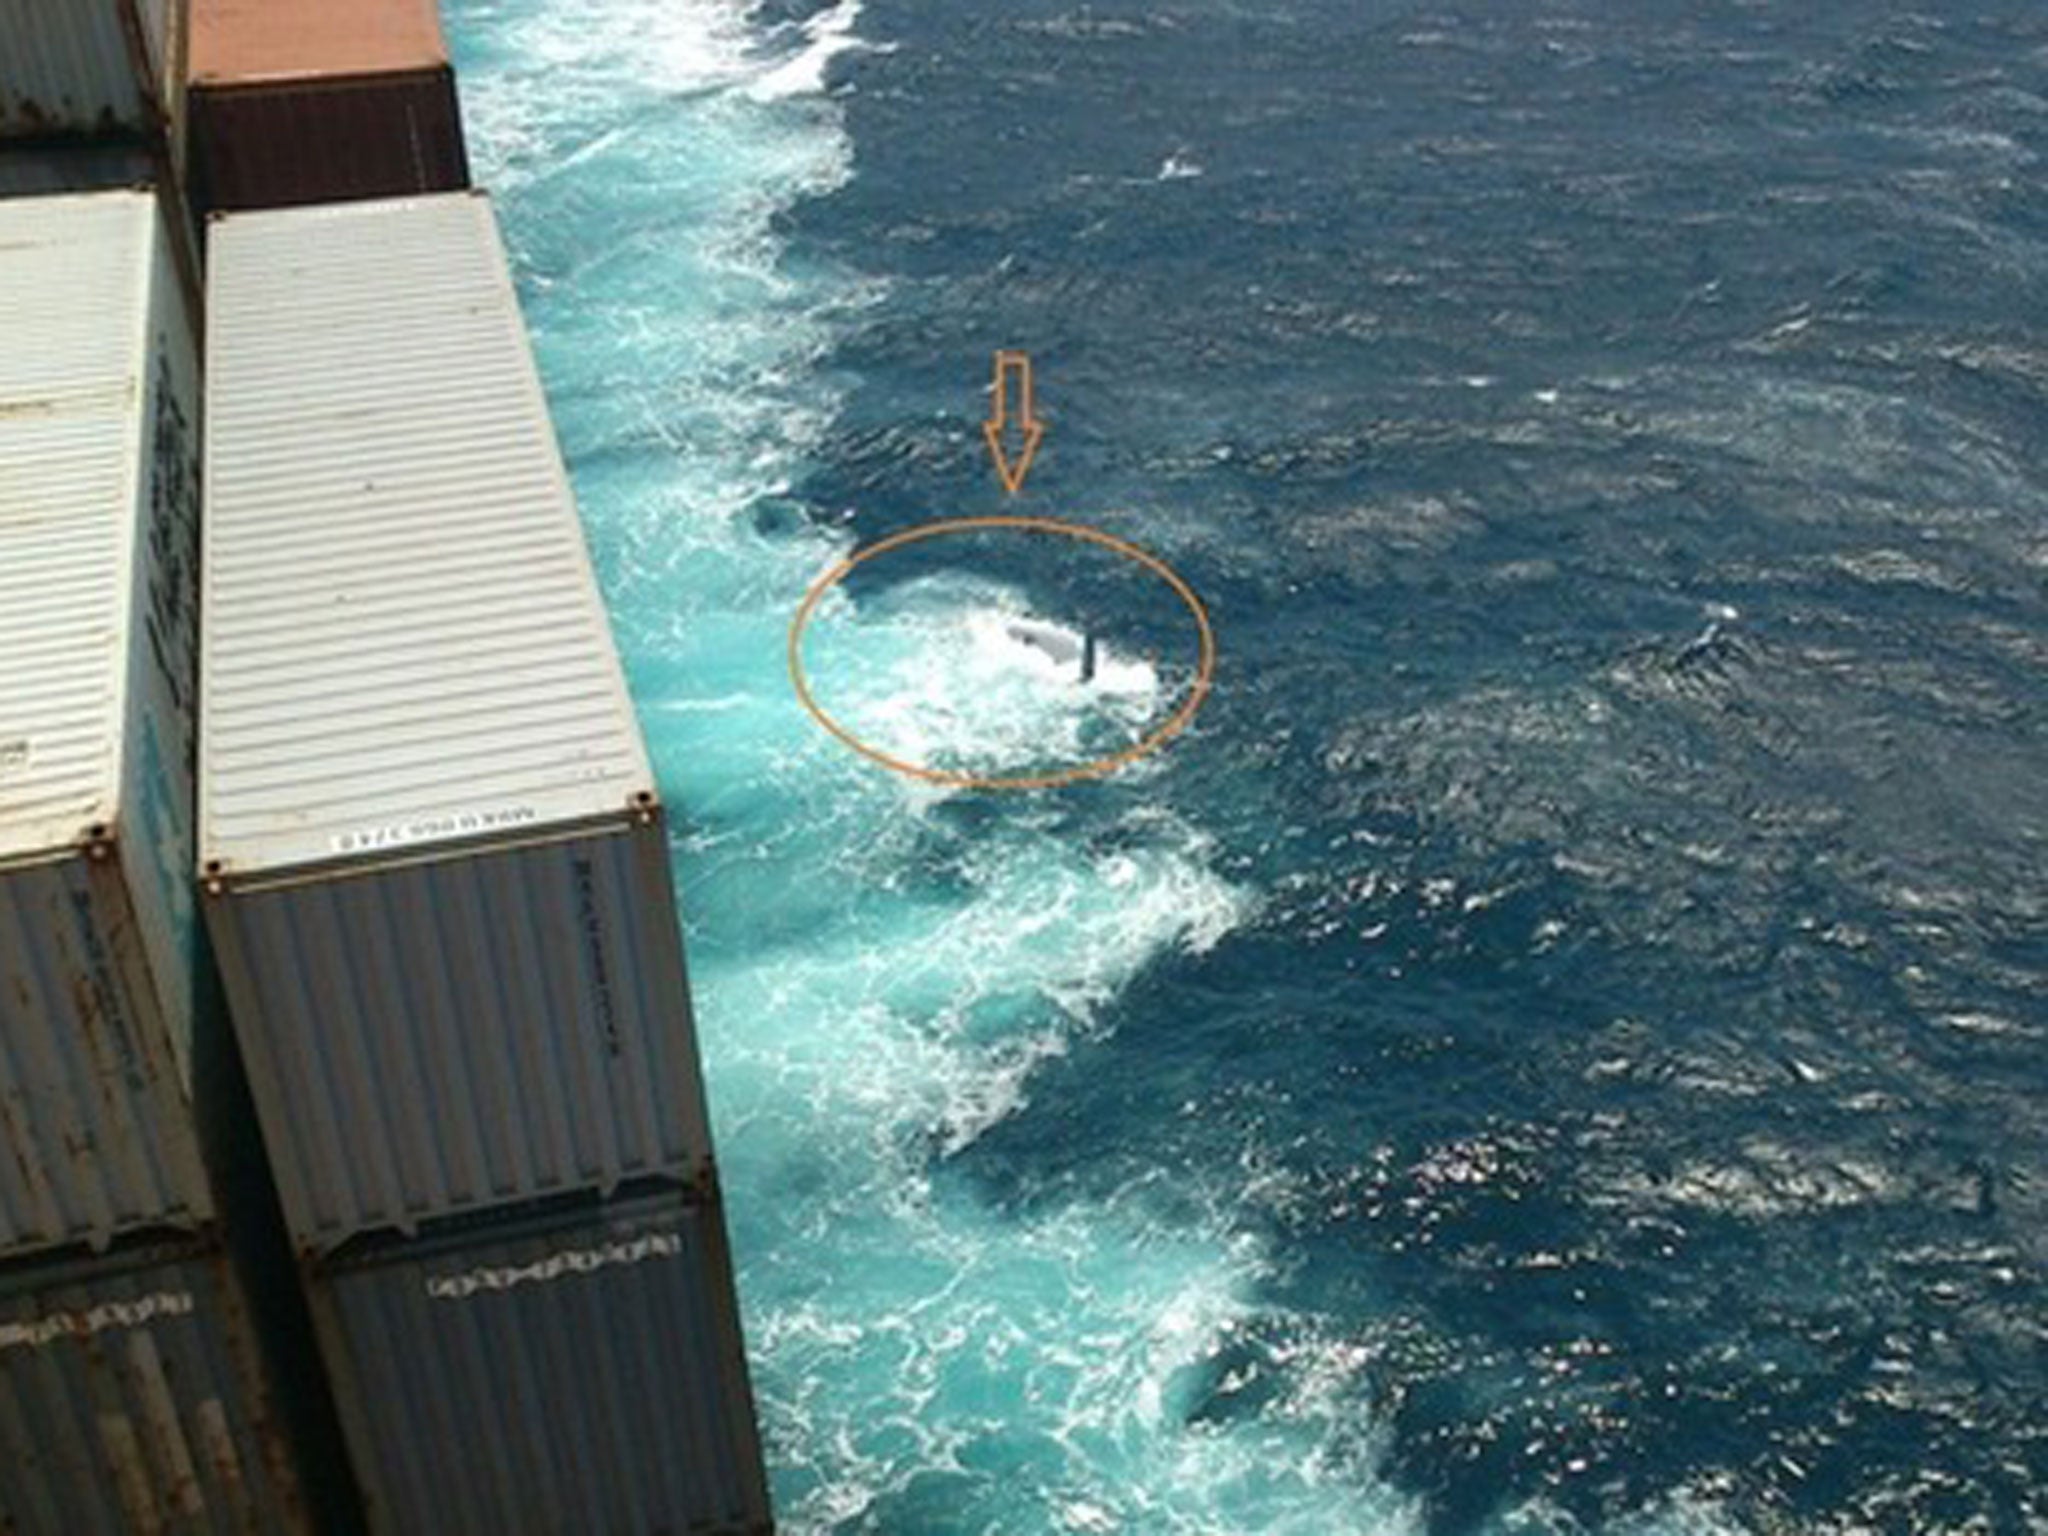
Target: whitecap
pixel 826 36
pixel 949 678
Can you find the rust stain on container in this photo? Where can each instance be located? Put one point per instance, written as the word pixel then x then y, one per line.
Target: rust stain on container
pixel 86 68
pixel 301 101
pixel 141 1397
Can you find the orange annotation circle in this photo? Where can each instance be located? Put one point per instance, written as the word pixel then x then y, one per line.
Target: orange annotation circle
pixel 1096 768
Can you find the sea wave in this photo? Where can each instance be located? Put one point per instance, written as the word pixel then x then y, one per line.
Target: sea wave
pixel 881 980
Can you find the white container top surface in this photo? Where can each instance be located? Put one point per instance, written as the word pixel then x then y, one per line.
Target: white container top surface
pixel 74 290
pixel 403 639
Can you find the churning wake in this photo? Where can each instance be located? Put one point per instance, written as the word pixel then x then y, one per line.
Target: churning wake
pixel 875 983
pixel 880 978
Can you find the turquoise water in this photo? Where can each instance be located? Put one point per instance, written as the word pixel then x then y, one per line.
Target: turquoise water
pixel 1556 1047
pixel 977 1371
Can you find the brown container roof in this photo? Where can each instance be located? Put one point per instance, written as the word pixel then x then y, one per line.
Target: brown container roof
pixel 252 41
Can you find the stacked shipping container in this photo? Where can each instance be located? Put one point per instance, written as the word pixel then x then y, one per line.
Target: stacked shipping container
pixel 433 854
pixel 435 866
pixel 132 1400
pixel 99 432
pixel 563 1370
pixel 92 98
pixel 133 1384
pixel 89 69
pixel 436 873
pixel 307 101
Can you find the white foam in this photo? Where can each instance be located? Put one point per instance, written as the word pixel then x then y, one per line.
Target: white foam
pixel 566 58
pixel 945 679
pixel 1683 1514
pixel 826 36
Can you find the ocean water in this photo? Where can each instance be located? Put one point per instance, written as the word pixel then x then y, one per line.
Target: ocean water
pixel 1559 1045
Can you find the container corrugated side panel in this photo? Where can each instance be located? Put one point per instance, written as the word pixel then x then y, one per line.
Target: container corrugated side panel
pixel 94 1110
pixel 327 141
pixel 153 831
pixel 466 1031
pixel 95 1123
pixel 70 67
pixel 90 166
pixel 164 24
pixel 132 1401
pixel 588 1377
pixel 402 632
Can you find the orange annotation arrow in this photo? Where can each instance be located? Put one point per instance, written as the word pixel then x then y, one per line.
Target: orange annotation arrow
pixel 1013 372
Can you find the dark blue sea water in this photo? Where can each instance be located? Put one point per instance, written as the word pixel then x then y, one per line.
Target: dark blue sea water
pixel 1559 1046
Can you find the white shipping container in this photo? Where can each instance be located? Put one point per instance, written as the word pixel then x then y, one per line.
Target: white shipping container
pixel 135 1399
pixel 99 503
pixel 436 872
pixel 109 165
pixel 103 68
pixel 576 1372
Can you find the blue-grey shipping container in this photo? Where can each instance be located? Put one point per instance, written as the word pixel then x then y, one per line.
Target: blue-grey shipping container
pixel 135 1401
pixel 77 68
pixel 577 1371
